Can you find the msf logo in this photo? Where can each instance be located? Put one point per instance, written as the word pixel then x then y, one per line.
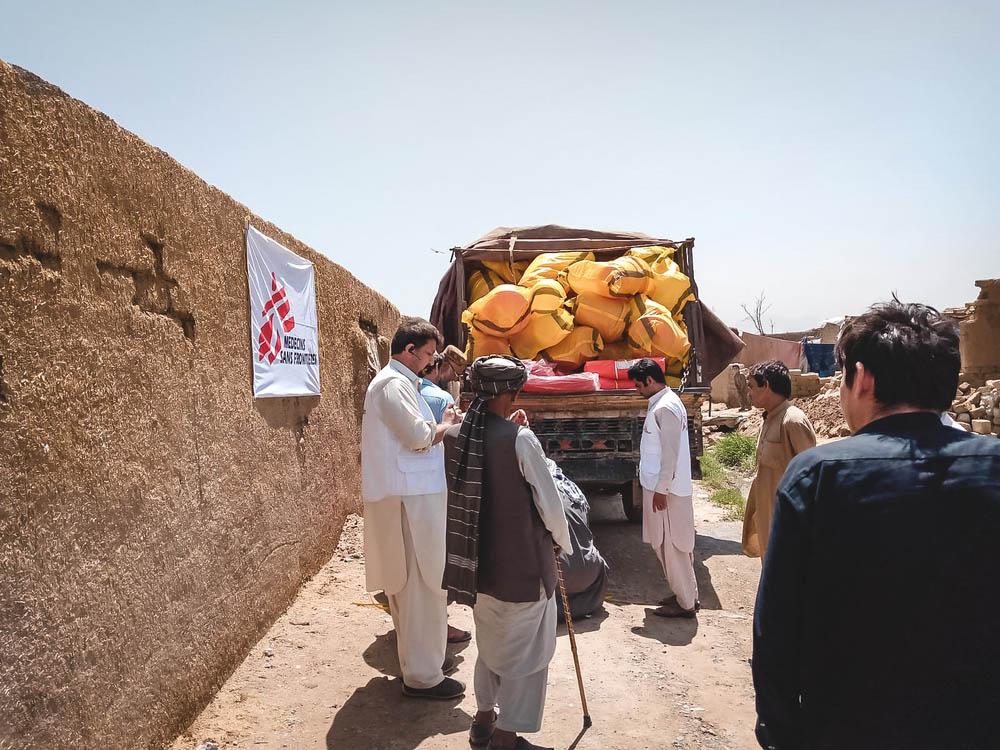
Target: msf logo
pixel 277 314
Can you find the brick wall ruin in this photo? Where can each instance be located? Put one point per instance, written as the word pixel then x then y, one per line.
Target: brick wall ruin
pixel 980 341
pixel 154 518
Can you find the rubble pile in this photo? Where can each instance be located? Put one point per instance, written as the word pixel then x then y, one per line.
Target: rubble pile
pixel 823 409
pixel 978 409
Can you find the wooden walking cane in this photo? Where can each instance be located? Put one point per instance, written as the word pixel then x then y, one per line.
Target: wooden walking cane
pixel 572 643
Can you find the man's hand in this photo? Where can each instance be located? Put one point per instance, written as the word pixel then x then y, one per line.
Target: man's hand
pixel 659 501
pixel 450 416
pixel 519 418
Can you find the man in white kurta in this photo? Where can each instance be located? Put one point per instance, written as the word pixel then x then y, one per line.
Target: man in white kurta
pixel 404 493
pixel 665 475
pixel 520 524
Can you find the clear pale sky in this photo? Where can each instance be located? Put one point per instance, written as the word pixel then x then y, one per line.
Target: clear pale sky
pixel 824 153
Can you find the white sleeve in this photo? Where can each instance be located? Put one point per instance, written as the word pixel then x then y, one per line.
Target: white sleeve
pixel 403 416
pixel 531 459
pixel 670 443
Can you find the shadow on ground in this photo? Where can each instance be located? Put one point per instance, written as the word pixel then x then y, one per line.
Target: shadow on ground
pixel 382 654
pixel 378 717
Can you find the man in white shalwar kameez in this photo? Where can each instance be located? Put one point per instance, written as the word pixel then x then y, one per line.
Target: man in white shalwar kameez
pixel 404 493
pixel 505 523
pixel 665 475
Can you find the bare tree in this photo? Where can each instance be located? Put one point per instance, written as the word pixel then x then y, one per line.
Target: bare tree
pixel 755 314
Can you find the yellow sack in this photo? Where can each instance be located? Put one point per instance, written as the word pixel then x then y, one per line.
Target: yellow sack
pixel 481 282
pixel 621 277
pixel 502 312
pixel 652 254
pixel 547 296
pixel 671 288
pixel 548 266
pixel 623 350
pixel 610 317
pixel 482 345
pixel 509 272
pixel 656 331
pixel 583 343
pixel 542 331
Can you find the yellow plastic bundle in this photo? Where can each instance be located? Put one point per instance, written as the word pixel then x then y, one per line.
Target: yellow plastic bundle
pixel 547 296
pixel 583 343
pixel 652 254
pixel 623 350
pixel 543 331
pixel 621 277
pixel 481 282
pixel 549 265
pixel 610 317
pixel 510 272
pixel 483 345
pixel 670 287
pixel 503 311
pixel 656 331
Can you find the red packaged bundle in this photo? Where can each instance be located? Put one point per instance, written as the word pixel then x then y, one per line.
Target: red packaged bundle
pixel 581 382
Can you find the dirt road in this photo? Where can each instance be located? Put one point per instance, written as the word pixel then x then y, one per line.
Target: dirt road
pixel 326 675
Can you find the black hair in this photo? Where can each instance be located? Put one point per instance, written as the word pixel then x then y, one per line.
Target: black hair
pixel 416 331
pixel 646 368
pixel 775 374
pixel 910 349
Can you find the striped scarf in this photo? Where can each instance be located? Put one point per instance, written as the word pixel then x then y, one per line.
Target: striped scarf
pixel 489 377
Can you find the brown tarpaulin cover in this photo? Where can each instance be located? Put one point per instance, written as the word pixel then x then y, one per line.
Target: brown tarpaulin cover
pixel 715 344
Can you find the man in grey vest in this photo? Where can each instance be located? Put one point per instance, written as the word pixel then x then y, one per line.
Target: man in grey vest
pixel 505 517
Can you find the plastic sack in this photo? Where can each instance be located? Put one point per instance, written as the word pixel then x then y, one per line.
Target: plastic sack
pixel 542 332
pixel 619 350
pixel 547 296
pixel 549 265
pixel 656 331
pixel 484 345
pixel 669 286
pixel 583 343
pixel 621 277
pixel 610 317
pixel 502 312
pixel 509 272
pixel 480 283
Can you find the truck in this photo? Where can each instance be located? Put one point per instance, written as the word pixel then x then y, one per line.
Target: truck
pixel 594 437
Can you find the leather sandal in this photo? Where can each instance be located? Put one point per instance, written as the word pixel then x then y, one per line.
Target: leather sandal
pixel 456 635
pixel 481 734
pixel 443 691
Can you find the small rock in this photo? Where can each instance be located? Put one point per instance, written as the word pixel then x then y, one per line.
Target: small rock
pixel 982 426
pixel 268 652
pixel 208 745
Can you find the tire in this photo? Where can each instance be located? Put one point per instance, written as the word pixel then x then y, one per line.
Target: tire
pixel 632 501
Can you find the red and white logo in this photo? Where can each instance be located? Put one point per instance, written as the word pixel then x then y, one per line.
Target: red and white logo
pixel 278 318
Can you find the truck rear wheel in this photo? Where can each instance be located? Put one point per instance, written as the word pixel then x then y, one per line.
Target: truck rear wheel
pixel 632 501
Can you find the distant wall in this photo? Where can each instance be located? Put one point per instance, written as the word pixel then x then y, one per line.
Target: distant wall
pixel 154 519
pixel 980 339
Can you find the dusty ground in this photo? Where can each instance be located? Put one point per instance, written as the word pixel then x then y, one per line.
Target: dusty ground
pixel 326 675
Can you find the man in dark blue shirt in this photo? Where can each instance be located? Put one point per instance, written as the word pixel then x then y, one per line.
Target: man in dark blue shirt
pixel 878 615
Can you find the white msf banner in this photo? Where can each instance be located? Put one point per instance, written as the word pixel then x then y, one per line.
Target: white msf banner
pixel 284 336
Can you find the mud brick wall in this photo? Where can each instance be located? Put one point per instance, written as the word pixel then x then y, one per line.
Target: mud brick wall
pixel 154 519
pixel 980 341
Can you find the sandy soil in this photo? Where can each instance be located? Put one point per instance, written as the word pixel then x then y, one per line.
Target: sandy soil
pixel 326 675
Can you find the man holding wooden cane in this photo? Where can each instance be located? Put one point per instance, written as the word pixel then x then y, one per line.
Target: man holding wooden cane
pixel 504 516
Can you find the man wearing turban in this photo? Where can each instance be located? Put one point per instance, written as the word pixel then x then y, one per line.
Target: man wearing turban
pixel 505 518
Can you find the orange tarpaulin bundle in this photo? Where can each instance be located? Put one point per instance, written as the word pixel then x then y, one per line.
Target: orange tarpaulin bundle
pixel 609 316
pixel 543 331
pixel 582 344
pixel 656 331
pixel 669 286
pixel 549 266
pixel 621 277
pixel 484 345
pixel 502 312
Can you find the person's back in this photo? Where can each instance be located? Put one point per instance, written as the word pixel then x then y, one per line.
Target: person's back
pixel 876 617
pixel 899 558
